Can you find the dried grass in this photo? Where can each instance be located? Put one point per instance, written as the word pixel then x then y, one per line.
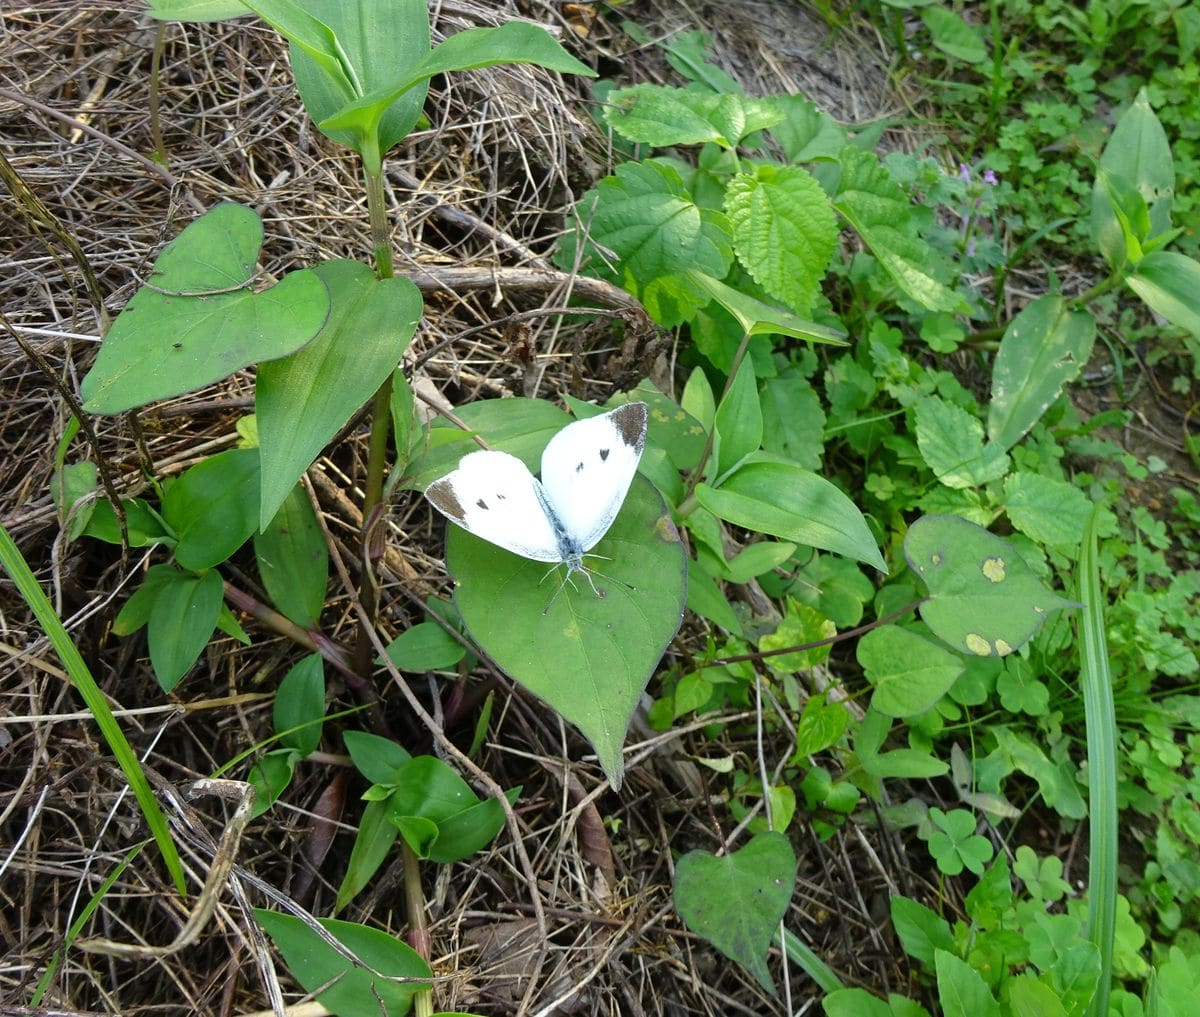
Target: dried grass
pixel 479 197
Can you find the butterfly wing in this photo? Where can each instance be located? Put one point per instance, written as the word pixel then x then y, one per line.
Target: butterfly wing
pixel 587 469
pixel 494 496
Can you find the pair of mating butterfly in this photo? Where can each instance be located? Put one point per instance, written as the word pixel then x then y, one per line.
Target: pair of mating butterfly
pixel 586 472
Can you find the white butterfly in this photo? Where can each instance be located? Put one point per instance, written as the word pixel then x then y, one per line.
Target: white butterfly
pixel 586 472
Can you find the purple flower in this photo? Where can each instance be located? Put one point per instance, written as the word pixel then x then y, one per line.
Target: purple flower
pixel 989 178
pixel 964 172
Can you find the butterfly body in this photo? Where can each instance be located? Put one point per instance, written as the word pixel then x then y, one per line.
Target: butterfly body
pixel 586 471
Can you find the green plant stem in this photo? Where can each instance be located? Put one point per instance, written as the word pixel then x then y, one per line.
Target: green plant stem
pixel 1100 717
pixel 418 932
pixel 380 419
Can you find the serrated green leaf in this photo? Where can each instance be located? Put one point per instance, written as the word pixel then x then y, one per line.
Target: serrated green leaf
pixel 807 133
pixel 646 216
pixel 951 443
pixel 660 116
pixel 784 231
pixel 1052 512
pixel 872 202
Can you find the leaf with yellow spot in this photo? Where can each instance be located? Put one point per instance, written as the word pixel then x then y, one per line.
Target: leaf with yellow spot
pixel 983 598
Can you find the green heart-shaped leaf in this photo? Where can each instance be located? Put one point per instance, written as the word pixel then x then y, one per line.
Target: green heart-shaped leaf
pixel 983 598
pixel 737 902
pixel 197 321
pixel 589 657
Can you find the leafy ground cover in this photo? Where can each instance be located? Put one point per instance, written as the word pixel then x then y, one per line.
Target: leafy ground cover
pixel 920 735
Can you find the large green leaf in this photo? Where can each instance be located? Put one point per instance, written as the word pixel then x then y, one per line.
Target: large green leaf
pixel 196 321
pixel 1137 155
pixel 783 500
pixel 784 231
pixel 647 217
pixel 983 598
pixel 1043 348
pixel 354 990
pixel 1052 512
pixel 589 657
pixel 1169 283
pixel 737 902
pixel 303 400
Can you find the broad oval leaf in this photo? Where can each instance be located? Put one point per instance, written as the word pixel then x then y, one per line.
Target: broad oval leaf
pixel 953 36
pixel 200 322
pixel 785 501
pixel 983 598
pixel 303 400
pixel 300 705
pixel 1043 348
pixel 213 507
pixel 353 990
pixel 181 621
pixel 425 646
pixel 737 902
pixel 589 657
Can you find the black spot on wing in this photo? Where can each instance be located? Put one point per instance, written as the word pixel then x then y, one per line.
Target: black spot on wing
pixel 579 468
pixel 482 504
pixel 604 454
